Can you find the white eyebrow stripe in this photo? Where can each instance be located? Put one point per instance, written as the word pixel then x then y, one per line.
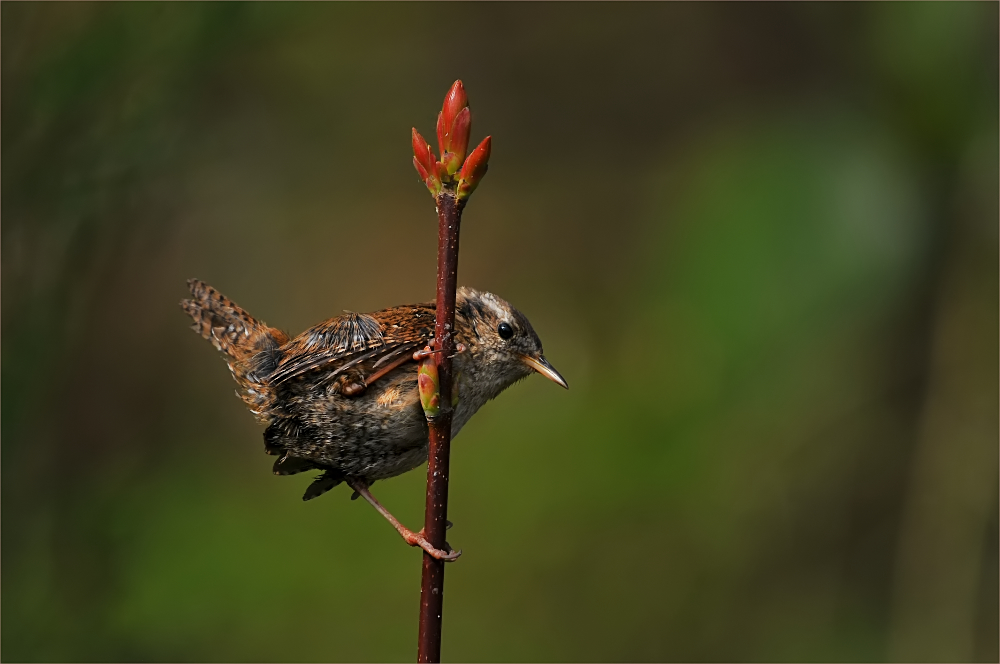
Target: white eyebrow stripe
pixel 492 301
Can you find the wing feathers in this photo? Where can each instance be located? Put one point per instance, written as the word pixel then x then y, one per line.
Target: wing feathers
pixel 356 339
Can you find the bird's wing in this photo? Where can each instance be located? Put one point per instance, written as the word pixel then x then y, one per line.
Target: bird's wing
pixel 368 343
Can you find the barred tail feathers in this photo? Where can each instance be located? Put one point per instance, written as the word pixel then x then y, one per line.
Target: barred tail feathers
pixel 252 348
pixel 220 320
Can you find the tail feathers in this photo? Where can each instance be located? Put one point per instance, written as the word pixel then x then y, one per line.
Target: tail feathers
pixel 221 321
pixel 226 325
pixel 253 348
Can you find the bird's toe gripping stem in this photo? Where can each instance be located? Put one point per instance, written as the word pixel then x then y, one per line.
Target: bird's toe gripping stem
pixel 418 539
pixel 427 351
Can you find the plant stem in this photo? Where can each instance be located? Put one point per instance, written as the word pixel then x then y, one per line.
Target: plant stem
pixel 449 211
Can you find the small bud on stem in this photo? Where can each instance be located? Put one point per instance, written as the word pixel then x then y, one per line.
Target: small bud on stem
pixel 428 386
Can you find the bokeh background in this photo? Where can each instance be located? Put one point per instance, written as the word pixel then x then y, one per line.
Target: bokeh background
pixel 759 240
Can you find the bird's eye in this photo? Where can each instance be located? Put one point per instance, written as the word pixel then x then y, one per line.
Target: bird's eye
pixel 505 330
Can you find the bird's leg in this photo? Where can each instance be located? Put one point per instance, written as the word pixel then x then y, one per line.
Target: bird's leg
pixel 411 538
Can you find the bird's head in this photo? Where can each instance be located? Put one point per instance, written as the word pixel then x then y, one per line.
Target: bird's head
pixel 501 339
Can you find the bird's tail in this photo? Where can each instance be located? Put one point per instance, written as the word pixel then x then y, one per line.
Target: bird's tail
pixel 252 348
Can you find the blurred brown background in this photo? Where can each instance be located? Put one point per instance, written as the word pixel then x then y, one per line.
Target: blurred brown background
pixel 760 241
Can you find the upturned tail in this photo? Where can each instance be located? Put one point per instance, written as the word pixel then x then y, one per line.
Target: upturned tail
pixel 252 348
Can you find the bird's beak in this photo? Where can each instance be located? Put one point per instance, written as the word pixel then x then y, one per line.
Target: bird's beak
pixel 542 366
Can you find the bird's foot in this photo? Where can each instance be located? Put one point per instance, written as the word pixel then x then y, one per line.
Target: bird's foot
pixel 427 351
pixel 423 354
pixel 418 539
pixel 413 539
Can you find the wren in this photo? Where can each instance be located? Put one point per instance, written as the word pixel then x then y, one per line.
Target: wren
pixel 342 396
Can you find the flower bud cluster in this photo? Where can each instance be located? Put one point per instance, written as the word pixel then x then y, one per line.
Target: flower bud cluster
pixel 453 170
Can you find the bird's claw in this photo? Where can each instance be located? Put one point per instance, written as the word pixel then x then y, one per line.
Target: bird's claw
pixel 427 351
pixel 423 354
pixel 418 539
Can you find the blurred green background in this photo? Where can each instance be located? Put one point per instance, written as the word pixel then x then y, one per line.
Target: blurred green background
pixel 760 241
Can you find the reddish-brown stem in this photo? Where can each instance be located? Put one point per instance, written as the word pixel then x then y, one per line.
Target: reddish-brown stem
pixel 449 210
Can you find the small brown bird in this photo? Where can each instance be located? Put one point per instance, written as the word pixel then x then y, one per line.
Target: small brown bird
pixel 342 396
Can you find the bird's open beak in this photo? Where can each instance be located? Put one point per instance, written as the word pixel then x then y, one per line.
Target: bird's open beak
pixel 542 366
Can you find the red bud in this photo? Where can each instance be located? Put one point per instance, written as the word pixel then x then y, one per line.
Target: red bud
pixel 453 125
pixel 474 169
pixel 454 140
pixel 426 165
pixel 454 102
pixel 421 171
pixel 422 152
pixel 477 160
pixel 442 132
pixel 458 135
